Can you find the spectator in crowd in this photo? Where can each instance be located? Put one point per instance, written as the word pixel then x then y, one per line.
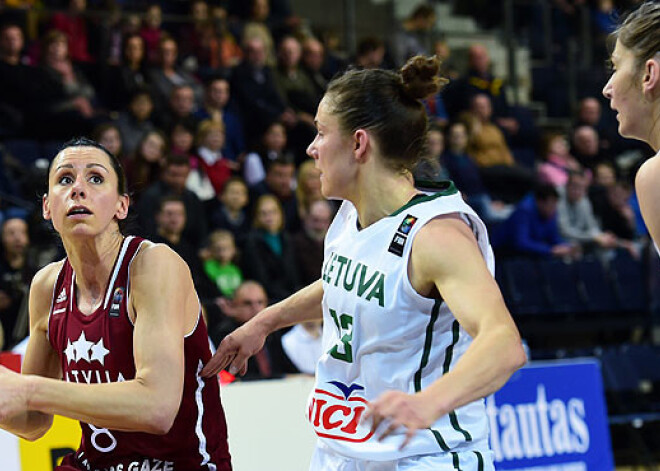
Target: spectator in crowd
pixel 370 53
pixel 16 270
pixel 173 182
pixel 268 255
pixel 466 176
pixel 256 93
pixel 108 135
pixel 532 228
pixel 229 52
pixel 447 66
pixel 152 32
pixel 229 211
pixel 191 32
pixel 585 146
pixel 590 113
pixel 168 75
pixel 292 83
pixel 273 146
pixel 313 57
pixel 24 90
pixel 605 175
pixel 73 25
pixel 255 27
pixel 504 178
pixel 480 80
pixel 130 76
pixel 308 186
pixel 412 38
pixel 558 163
pixel 280 182
pixel 135 122
pixel 303 345
pixel 143 168
pixel 209 168
pixel 182 140
pixel 221 267
pixel 577 223
pixel 617 215
pixel 431 168
pixel 216 99
pixel 181 107
pixel 308 242
pixel 170 222
pixel 249 299
pixel 78 94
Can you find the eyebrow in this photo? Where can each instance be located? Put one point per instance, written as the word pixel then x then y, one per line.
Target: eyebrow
pixel 86 166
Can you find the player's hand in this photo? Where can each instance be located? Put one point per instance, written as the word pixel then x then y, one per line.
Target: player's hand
pixel 235 350
pixel 395 409
pixel 13 396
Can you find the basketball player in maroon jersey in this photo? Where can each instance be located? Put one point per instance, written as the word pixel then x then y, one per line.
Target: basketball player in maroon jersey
pixel 117 340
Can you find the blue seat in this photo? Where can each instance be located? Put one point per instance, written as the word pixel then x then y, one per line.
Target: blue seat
pixel 595 285
pixel 525 289
pixel 629 283
pixel 560 280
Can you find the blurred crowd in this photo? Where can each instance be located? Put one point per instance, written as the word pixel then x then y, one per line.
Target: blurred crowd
pixel 210 106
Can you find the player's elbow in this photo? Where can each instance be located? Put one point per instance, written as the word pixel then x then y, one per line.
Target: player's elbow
pixel 517 358
pixel 38 430
pixel 160 420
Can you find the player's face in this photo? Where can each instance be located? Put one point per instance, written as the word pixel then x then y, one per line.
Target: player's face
pixel 332 149
pixel 82 197
pixel 623 89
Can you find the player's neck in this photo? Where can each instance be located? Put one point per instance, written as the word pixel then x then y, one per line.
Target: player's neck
pixel 92 260
pixel 382 193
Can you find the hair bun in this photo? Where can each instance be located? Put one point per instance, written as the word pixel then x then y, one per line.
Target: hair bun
pixel 420 77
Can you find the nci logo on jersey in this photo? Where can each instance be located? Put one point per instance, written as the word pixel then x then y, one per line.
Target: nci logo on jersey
pixel 336 413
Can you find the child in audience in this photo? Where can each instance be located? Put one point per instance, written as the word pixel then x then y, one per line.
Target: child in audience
pixel 220 266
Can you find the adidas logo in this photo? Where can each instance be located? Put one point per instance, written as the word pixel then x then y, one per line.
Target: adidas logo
pixel 62 296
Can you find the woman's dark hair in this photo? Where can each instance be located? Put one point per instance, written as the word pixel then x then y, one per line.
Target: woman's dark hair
pixel 388 104
pixel 122 187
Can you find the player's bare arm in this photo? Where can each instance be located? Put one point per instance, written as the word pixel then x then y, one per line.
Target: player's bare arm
pixel 445 256
pixel 40 359
pixel 235 349
pixel 161 293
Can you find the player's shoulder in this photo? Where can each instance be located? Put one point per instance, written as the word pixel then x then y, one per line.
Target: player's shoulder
pixel 158 260
pixel 44 280
pixel 648 172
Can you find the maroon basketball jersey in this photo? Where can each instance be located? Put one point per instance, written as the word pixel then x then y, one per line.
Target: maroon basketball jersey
pixel 98 348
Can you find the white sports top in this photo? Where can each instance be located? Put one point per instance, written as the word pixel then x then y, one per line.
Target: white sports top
pixel 379 334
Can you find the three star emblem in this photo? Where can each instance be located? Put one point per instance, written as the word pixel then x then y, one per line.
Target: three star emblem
pixel 83 349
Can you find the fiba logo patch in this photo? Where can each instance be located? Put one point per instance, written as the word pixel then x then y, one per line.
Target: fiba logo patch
pixel 401 235
pixel 117 298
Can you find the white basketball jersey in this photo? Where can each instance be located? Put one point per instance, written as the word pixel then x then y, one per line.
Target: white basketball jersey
pixel 379 334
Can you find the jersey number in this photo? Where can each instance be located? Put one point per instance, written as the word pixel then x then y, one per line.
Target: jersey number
pixel 343 350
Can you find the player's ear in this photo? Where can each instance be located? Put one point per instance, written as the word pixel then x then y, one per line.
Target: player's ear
pixel 361 142
pixel 45 207
pixel 651 79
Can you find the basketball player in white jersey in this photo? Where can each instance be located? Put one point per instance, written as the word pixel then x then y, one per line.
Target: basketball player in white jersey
pixel 415 329
pixel 634 93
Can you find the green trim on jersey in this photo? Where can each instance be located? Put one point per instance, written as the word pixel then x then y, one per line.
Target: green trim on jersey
pixel 480 461
pixel 445 188
pixel 455 462
pixel 455 330
pixel 428 340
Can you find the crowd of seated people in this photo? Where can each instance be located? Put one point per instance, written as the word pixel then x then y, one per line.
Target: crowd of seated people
pixel 211 115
